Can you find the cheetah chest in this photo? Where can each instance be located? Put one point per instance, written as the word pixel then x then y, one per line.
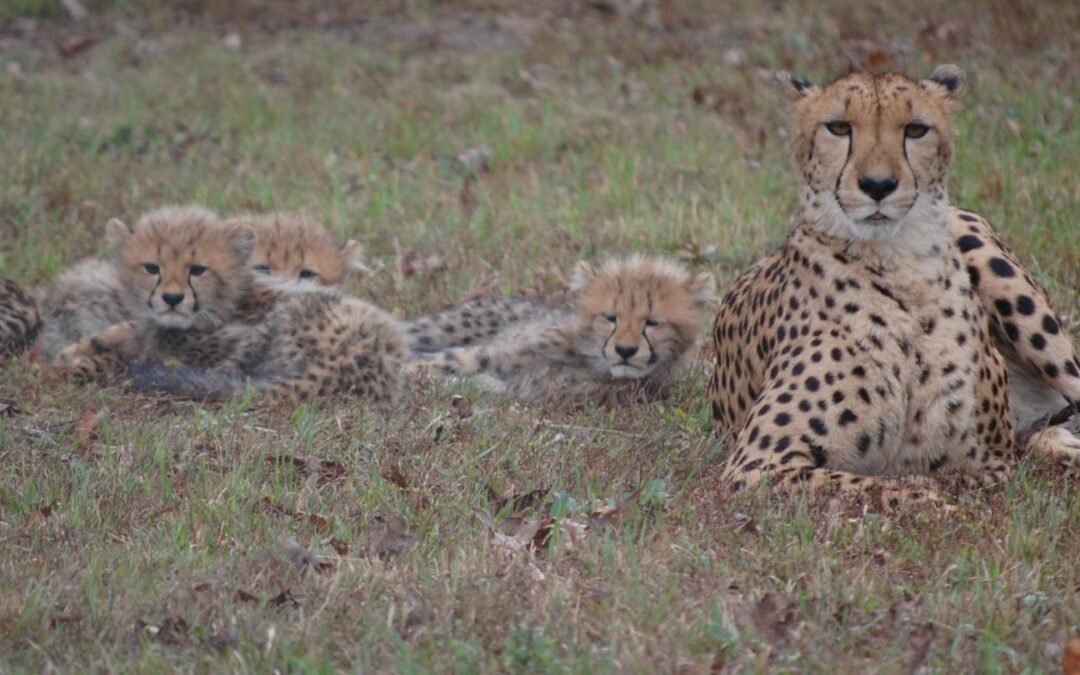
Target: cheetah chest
pixel 924 341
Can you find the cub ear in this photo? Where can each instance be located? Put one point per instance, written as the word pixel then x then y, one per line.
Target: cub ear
pixel 947 81
pixel 241 236
pixel 793 88
pixel 117 233
pixel 703 287
pixel 353 252
pixel 584 273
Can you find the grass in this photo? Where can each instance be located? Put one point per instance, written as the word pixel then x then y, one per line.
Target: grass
pixel 153 535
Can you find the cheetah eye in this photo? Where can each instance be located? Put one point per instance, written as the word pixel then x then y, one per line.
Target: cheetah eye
pixel 652 323
pixel 915 130
pixel 610 317
pixel 151 268
pixel 839 128
pixel 262 269
pixel 307 274
pixel 196 270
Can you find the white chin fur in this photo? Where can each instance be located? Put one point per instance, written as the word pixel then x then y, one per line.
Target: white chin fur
pixel 295 286
pixel 624 371
pixel 174 320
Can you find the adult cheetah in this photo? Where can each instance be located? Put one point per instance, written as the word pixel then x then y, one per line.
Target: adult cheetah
pixel 861 352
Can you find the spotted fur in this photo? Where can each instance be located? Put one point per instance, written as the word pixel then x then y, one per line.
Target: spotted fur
pixel 1044 371
pixel 195 305
pixel 637 318
pixel 19 320
pixel 859 353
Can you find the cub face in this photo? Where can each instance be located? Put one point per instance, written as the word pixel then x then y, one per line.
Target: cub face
pixel 182 266
pixel 639 314
pixel 293 251
pixel 873 149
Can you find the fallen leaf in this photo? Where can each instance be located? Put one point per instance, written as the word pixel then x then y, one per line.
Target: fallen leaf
pixel 395 476
pixel 340 547
pixel 73 46
pixel 877 58
pixel 88 430
pixel 8 408
pixel 1071 661
pixel 327 470
pixel 244 596
pixel 285 597
pixel 201 588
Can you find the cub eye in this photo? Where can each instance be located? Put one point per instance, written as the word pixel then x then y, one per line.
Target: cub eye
pixel 151 268
pixel 262 269
pixel 196 270
pixel 610 317
pixel 839 128
pixel 651 322
pixel 307 274
pixel 916 130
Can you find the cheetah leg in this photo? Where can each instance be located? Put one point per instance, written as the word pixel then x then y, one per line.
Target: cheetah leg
pixel 1057 443
pixel 889 493
pixel 1026 327
pixel 99 354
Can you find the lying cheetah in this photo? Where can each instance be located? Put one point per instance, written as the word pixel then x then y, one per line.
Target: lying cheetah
pixel 292 252
pixel 194 301
pixel 295 252
pixel 861 351
pixel 637 318
pixel 19 320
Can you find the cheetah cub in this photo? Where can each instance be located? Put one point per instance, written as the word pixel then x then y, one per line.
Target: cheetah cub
pixel 292 252
pixel 195 304
pixel 861 352
pixel 637 318
pixel 19 319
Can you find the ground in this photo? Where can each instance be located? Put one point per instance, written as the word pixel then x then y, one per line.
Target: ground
pixel 488 145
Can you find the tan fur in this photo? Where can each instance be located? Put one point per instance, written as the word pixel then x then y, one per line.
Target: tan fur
pixel 860 348
pixel 194 302
pixel 83 300
pixel 19 319
pixel 294 251
pixel 637 318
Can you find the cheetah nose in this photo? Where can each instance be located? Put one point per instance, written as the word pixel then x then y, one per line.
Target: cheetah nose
pixel 625 351
pixel 877 188
pixel 172 299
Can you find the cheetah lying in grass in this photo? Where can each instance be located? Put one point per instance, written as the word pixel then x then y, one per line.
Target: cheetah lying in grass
pixel 862 351
pixel 633 319
pixel 292 252
pixel 186 281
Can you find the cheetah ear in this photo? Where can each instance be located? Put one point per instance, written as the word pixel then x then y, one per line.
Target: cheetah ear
pixel 353 252
pixel 584 274
pixel 793 88
pixel 702 287
pixel 242 237
pixel 947 81
pixel 117 233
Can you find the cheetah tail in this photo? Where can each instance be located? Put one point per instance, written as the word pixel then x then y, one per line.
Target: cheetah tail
pixel 193 383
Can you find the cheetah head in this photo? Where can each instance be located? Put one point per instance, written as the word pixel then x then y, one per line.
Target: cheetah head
pixel 294 252
pixel 873 150
pixel 181 266
pixel 639 314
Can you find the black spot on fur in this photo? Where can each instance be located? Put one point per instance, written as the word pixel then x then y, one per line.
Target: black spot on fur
pixel 1001 267
pixel 969 242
